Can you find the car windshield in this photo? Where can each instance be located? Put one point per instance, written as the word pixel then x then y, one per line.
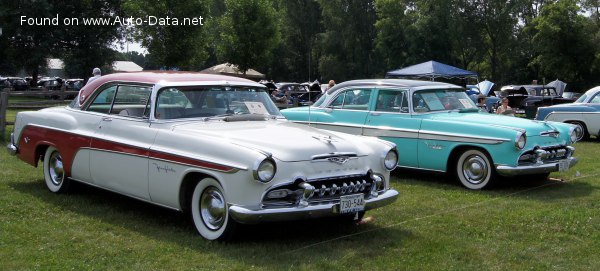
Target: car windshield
pixel 581 98
pixel 441 100
pixel 210 101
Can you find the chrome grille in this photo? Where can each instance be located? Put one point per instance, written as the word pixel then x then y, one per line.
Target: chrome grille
pixel 543 155
pixel 325 190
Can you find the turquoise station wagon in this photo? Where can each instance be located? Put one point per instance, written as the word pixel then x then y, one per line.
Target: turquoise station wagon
pixel 437 127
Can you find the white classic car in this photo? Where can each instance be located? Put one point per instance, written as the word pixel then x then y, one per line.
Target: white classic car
pixel 211 145
pixel 583 113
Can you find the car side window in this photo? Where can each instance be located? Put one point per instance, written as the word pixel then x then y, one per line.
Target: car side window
pixel 596 99
pixel 129 101
pixel 392 101
pixel 354 99
pixel 132 101
pixel 103 101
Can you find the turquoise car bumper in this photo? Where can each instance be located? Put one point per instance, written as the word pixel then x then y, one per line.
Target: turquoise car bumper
pixel 508 171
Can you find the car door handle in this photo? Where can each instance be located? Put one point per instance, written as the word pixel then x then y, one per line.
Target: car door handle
pixel 107 119
pixel 375 113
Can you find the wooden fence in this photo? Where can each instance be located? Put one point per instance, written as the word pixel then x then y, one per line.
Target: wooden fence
pixel 52 98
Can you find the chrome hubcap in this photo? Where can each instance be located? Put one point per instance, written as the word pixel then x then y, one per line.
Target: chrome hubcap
pixel 475 169
pixel 212 208
pixel 55 169
pixel 579 131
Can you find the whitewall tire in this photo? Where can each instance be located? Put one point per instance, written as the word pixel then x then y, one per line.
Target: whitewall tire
pixel 209 211
pixel 54 173
pixel 474 169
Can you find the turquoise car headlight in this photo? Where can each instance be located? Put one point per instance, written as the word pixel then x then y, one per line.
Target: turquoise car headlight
pixel 265 171
pixel 521 140
pixel 391 159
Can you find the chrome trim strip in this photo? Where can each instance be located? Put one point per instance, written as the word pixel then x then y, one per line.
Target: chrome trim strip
pixel 247 215
pixel 420 168
pixel 509 171
pixel 432 135
pixel 423 134
pixel 390 132
pixel 175 153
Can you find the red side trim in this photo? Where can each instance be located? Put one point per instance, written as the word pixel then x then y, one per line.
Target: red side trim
pixel 189 161
pixel 69 143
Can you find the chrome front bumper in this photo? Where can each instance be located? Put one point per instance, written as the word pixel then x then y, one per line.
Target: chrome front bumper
pixel 509 171
pixel 11 147
pixel 248 216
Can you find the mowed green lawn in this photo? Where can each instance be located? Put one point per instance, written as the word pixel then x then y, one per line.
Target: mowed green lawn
pixel 435 224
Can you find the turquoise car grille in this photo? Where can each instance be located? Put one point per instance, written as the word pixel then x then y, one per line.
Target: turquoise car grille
pixel 544 155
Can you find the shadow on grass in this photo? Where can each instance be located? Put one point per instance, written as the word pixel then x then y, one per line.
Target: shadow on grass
pixel 520 186
pixel 259 244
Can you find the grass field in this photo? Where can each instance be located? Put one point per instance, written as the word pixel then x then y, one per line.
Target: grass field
pixel 435 224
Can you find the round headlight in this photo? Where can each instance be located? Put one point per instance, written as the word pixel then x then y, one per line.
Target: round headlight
pixel 575 133
pixel 391 160
pixel 265 171
pixel 521 140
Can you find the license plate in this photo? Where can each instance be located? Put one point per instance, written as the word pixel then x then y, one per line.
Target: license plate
pixel 563 165
pixel 352 203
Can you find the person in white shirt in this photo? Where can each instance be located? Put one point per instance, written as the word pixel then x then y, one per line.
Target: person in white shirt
pixel 97 73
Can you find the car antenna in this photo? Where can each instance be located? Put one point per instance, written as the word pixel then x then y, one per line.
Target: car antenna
pixel 310 100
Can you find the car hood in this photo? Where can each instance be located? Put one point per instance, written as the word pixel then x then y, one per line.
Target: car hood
pixel 532 127
pixel 286 141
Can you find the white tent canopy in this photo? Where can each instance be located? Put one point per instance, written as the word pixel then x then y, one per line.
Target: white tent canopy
pixel 233 70
pixel 126 66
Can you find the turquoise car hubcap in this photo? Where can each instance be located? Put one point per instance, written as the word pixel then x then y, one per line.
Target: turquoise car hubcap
pixel 56 169
pixel 212 208
pixel 475 169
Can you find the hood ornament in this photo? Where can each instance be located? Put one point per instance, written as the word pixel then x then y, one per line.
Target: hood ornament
pixel 327 139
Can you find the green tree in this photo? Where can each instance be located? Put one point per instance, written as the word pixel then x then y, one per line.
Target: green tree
pixel 392 42
pixel 174 46
pixel 81 47
pixel 347 45
pixel 563 43
pixel 28 45
pixel 497 20
pixel 249 33
pixel 297 59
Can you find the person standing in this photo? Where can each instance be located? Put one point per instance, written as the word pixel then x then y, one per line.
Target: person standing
pixel 481 103
pixel 504 108
pixel 330 85
pixel 97 74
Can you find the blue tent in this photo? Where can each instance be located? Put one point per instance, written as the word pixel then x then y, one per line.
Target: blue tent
pixel 432 70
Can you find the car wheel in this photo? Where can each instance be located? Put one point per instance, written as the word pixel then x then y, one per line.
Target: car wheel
pixel 474 169
pixel 54 173
pixel 209 211
pixel 583 135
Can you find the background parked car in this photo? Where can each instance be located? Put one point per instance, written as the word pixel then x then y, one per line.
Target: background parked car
pixel 73 84
pixel 525 99
pixel 437 127
pixel 16 83
pixel 50 83
pixel 584 113
pixel 300 94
